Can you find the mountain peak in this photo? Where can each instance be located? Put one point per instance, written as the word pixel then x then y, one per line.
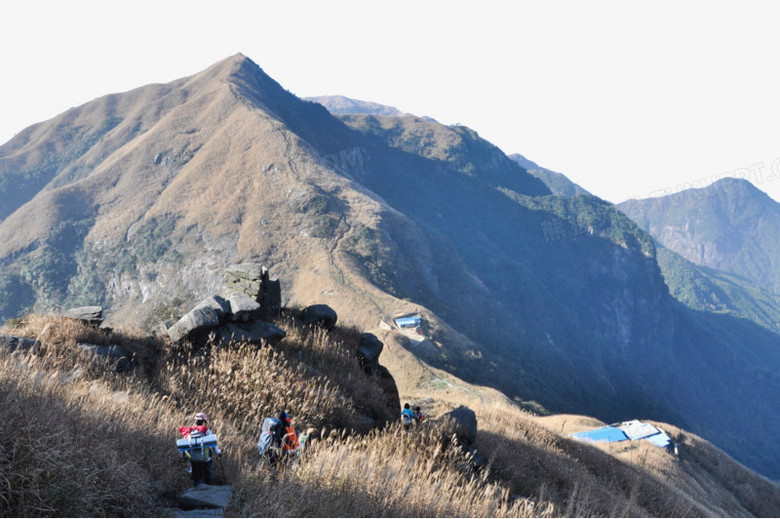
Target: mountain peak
pixel 235 68
pixel 735 184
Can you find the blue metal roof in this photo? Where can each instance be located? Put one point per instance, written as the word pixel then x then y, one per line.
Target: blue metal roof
pixel 605 434
pixel 408 321
pixel 659 440
pixel 632 430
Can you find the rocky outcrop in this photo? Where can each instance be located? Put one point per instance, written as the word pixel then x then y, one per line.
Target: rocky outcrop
pixel 319 315
pixel 91 315
pixel 195 323
pixel 252 280
pixel 240 316
pixel 255 332
pixel 462 422
pixel 370 349
pixel 244 308
pixel 390 388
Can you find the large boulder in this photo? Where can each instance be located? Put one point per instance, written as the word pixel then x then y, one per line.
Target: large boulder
pixel 247 271
pixel 370 349
pixel 120 358
pixel 246 278
pixel 390 388
pixel 196 322
pixel 219 304
pixel 319 315
pixel 255 332
pixel 208 314
pixel 243 308
pixel 251 279
pixel 463 423
pixel 206 496
pixel 92 315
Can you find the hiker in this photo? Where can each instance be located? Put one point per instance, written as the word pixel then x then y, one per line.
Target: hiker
pixel 279 439
pixel 200 459
pixel 291 445
pixel 407 417
pixel 419 416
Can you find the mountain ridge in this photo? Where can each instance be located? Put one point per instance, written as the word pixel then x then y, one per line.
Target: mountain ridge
pixel 558 183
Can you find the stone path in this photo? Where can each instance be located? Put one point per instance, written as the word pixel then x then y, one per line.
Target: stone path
pixel 203 501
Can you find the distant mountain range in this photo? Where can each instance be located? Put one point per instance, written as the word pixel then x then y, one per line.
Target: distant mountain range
pixel 730 226
pixel 340 105
pixel 138 201
pixel 720 247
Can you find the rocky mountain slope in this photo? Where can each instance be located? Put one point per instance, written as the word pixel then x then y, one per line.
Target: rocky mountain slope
pixel 138 201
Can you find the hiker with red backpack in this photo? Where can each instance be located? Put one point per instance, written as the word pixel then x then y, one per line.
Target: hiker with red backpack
pixel 279 440
pixel 199 447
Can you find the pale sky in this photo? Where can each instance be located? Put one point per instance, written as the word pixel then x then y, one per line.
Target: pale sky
pixel 627 99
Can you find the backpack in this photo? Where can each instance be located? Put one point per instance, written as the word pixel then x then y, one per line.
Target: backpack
pixel 407 417
pixel 271 435
pixel 197 454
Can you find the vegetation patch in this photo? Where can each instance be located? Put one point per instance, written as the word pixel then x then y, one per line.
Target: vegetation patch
pixel 373 255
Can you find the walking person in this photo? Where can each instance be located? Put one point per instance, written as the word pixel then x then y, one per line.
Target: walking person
pixel 200 458
pixel 407 417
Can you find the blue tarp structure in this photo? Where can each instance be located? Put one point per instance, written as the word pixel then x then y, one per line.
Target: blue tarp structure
pixel 605 434
pixel 631 430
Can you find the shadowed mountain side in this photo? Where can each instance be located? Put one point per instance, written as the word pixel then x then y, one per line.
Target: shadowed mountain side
pixel 735 359
pixel 711 290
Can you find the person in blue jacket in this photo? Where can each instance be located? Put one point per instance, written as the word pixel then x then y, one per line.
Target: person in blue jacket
pixel 407 417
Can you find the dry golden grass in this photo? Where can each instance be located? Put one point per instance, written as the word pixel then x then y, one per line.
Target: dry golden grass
pixel 81 440
pixel 390 473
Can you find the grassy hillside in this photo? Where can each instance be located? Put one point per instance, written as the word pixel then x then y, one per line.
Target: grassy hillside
pixel 114 453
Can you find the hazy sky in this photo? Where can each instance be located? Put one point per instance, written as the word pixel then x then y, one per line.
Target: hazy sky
pixel 628 99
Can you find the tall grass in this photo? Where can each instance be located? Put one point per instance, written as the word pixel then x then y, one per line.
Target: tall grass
pixel 387 473
pixel 81 440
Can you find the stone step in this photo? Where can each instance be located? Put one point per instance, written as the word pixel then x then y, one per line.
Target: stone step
pixel 197 512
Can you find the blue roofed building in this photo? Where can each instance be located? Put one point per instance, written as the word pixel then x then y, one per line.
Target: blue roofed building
pixel 605 434
pixel 409 322
pixel 627 431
